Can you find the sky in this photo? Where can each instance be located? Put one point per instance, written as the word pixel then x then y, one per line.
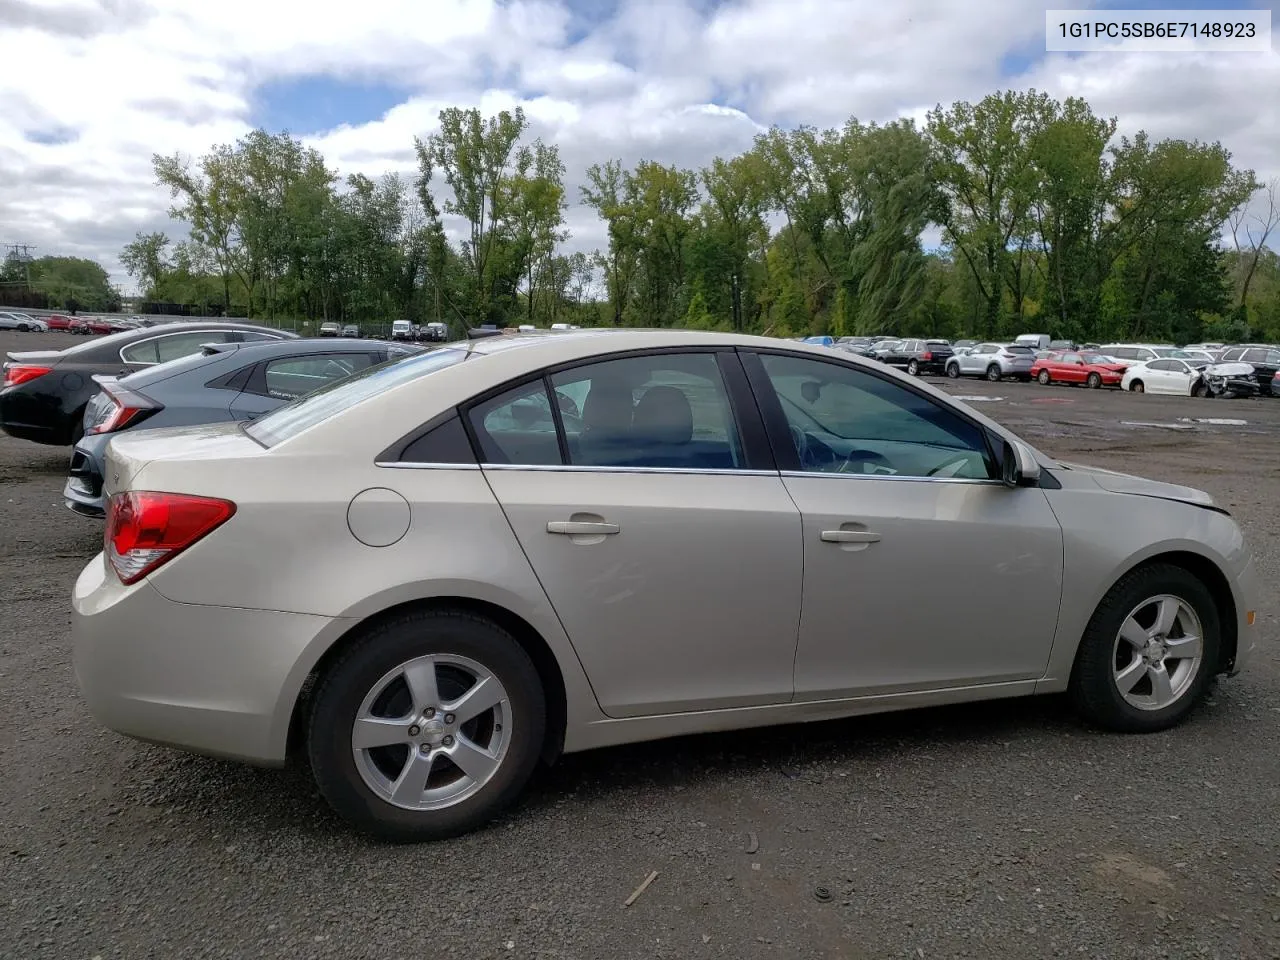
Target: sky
pixel 91 89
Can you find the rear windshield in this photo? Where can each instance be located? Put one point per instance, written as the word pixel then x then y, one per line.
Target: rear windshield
pixel 938 343
pixel 305 412
pixel 1018 348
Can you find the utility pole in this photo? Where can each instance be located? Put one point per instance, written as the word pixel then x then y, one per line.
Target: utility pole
pixel 21 252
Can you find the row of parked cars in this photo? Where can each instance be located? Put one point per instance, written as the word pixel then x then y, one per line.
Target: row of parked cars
pixel 426 569
pixel 1202 370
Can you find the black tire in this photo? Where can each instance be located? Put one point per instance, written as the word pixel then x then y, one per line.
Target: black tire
pixel 345 684
pixel 913 368
pixel 1094 381
pixel 1137 387
pixel 993 373
pixel 953 371
pixel 1093 688
pixel 1044 378
pixel 1200 390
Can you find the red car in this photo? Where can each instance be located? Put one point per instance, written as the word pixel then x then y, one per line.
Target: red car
pixel 1067 366
pixel 57 321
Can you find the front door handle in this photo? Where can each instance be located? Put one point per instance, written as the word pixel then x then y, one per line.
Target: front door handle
pixel 575 528
pixel 849 536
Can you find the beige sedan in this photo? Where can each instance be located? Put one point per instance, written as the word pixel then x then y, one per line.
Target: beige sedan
pixel 433 574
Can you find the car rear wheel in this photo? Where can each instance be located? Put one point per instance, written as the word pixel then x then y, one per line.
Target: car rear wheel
pixel 993 373
pixel 1149 651
pixel 1044 377
pixel 913 368
pixel 1094 381
pixel 1137 387
pixel 427 726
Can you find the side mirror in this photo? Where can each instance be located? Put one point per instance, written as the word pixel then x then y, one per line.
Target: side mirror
pixel 1021 469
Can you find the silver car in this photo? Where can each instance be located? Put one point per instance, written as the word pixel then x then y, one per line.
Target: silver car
pixel 432 575
pixel 995 361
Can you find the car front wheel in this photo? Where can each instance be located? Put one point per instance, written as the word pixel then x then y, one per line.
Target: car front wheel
pixel 1149 651
pixel 953 371
pixel 427 726
pixel 1044 377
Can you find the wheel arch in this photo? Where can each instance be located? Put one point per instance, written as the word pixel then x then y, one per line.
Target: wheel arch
pixel 545 661
pixel 1210 574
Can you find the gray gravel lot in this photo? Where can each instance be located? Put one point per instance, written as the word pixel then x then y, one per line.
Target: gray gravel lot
pixel 1000 830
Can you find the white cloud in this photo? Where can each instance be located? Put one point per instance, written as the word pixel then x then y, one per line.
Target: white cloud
pixel 672 80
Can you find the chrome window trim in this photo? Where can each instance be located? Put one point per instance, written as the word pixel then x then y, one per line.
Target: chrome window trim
pixel 180 333
pixel 402 465
pixel 591 468
pixel 683 471
pixel 798 474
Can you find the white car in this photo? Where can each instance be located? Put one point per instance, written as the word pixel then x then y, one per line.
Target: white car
pixel 1166 375
pixel 431 575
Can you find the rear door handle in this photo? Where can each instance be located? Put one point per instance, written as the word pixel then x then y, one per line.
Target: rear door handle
pixel 575 528
pixel 849 536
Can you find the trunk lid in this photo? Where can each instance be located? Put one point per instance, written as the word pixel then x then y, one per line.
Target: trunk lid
pixel 45 357
pixel 129 452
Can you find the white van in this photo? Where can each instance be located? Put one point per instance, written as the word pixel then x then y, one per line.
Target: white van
pixel 1036 341
pixel 401 330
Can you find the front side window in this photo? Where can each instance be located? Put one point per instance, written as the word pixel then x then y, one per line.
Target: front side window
pixel 844 420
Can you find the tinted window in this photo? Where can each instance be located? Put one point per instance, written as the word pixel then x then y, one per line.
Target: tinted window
pixel 847 421
pixel 517 427
pixel 1025 351
pixel 446 443
pixel 292 377
pixel 180 345
pixel 250 336
pixel 144 352
pixel 306 412
pixel 1071 358
pixel 669 410
pixel 1162 365
pixel 1124 353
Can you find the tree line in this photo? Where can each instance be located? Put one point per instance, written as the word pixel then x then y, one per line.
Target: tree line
pixel 1048 223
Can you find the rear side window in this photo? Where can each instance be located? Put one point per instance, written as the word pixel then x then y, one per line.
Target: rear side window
pixel 292 377
pixel 306 412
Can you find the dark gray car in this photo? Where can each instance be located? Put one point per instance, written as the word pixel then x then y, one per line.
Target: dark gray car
pixel 225 381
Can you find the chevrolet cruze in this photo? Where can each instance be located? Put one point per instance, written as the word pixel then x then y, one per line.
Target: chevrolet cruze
pixel 431 575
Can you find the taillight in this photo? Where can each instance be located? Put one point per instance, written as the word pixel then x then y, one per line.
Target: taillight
pixel 926 355
pixel 117 407
pixel 16 373
pixel 145 529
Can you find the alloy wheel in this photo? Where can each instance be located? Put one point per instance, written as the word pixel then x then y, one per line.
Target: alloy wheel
pixel 1158 652
pixel 432 732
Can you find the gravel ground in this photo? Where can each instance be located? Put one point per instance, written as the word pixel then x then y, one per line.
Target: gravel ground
pixel 1000 830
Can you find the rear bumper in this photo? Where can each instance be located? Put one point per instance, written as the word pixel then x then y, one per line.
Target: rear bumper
pixel 219 681
pixel 27 418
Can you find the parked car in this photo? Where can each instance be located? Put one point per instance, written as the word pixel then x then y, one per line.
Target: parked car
pixel 1265 361
pixel 1090 369
pixel 46 391
pixel 1163 375
pixel 436 332
pixel 351 330
pixel 22 322
pixel 1144 352
pixel 402 330
pixel 330 329
pixel 1230 380
pixel 463 581
pixel 1036 341
pixel 882 348
pixel 920 356
pixel 224 381
pixel 995 361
